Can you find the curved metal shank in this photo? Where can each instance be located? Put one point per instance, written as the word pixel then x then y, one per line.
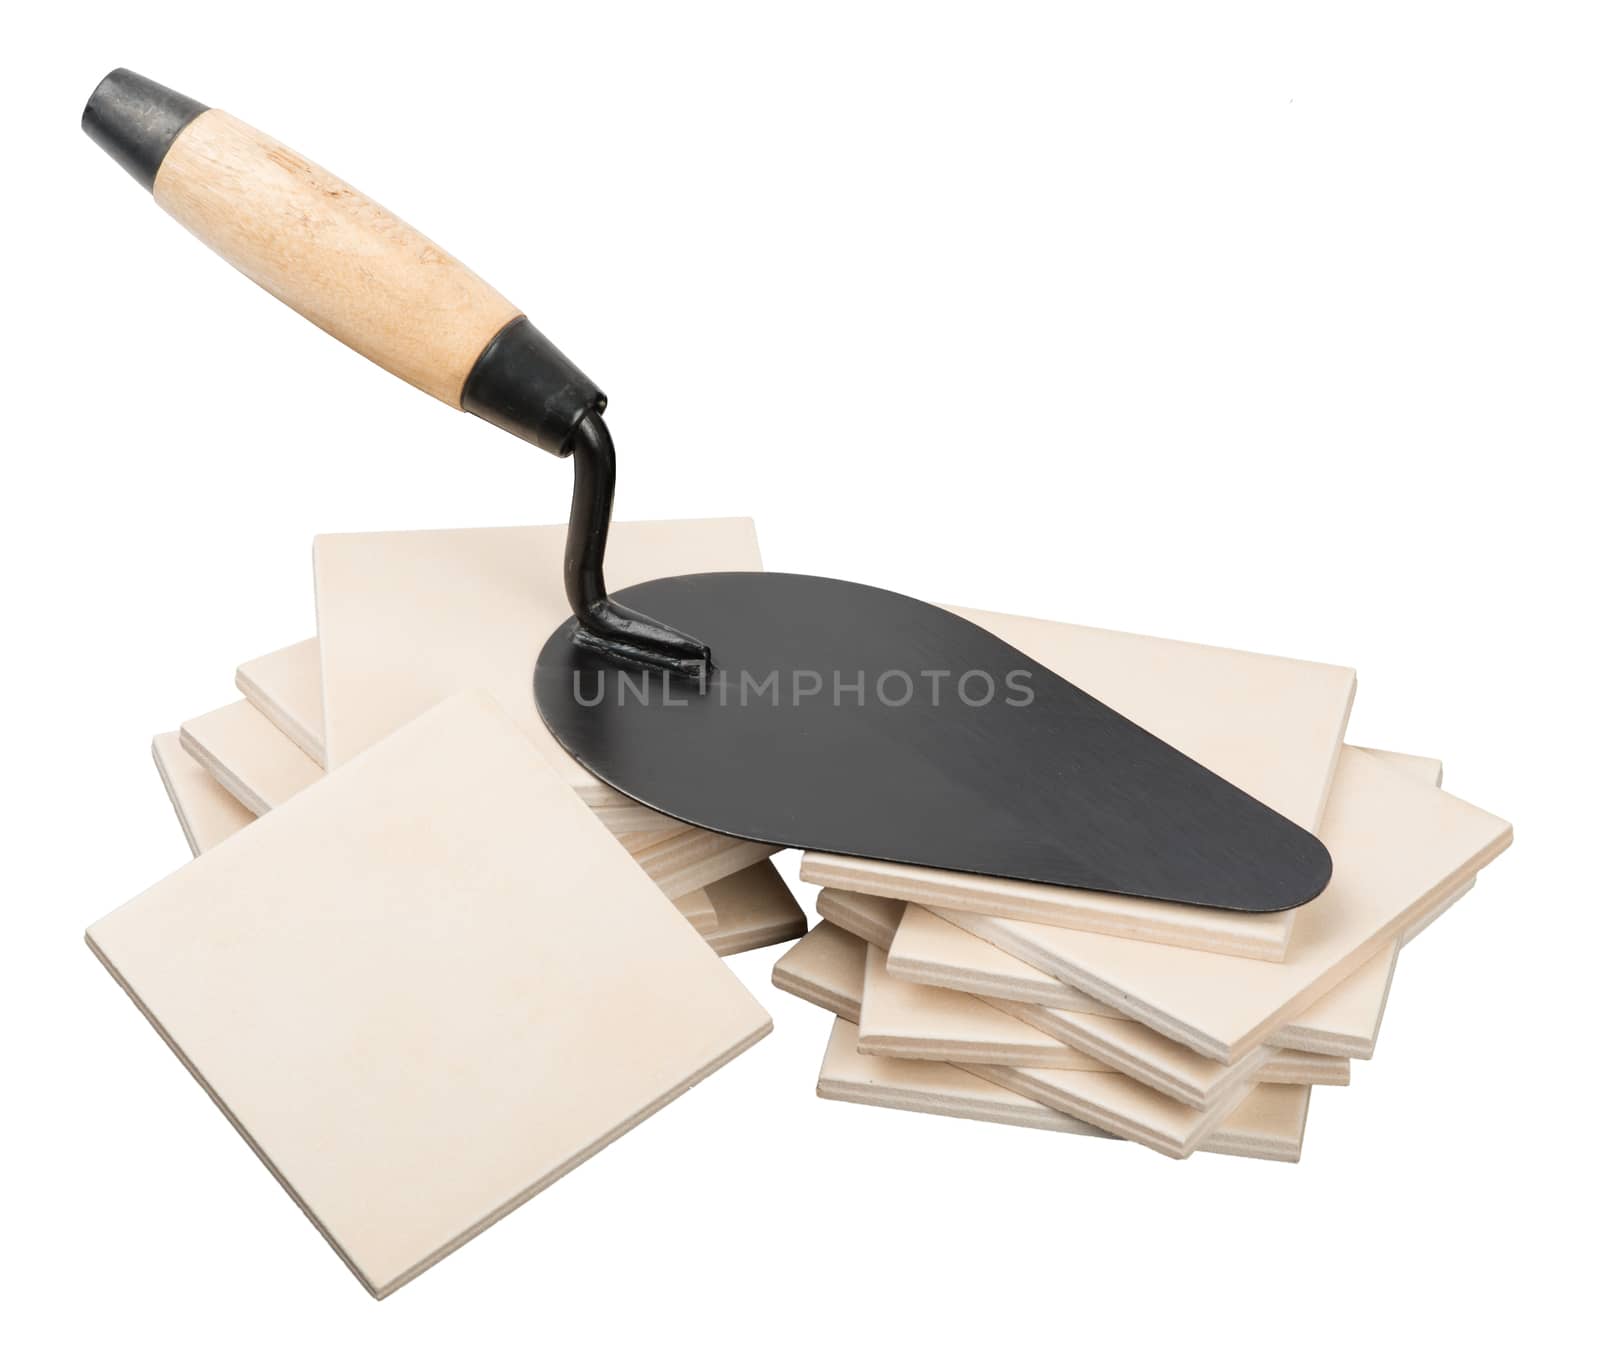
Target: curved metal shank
pixel 618 632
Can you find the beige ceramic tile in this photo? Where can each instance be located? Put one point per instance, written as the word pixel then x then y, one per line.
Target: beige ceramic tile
pixel 1399 849
pixel 1343 1022
pixel 903 1020
pixel 872 918
pixel 406 618
pixel 684 863
pixel 754 908
pixel 1271 726
pixel 934 953
pixel 826 968
pixel 1417 767
pixel 1269 1123
pixel 427 988
pixel 1121 1105
pixel 207 813
pixel 1439 907
pixel 1169 1067
pixel 928 1088
pixel 1131 1048
pixel 1294 1068
pixel 287 686
pixel 239 747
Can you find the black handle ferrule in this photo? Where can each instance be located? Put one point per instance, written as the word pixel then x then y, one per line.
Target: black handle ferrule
pixel 137 121
pixel 525 386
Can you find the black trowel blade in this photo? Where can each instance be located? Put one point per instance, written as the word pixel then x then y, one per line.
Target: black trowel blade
pixel 850 720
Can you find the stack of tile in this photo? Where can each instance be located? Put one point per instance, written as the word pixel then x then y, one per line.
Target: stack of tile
pixel 414 894
pixel 1181 1028
pixel 408 619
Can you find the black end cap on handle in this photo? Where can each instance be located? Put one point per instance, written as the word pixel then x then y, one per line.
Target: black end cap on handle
pixel 524 385
pixel 136 121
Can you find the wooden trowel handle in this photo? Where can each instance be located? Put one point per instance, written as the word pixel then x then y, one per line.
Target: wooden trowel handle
pixel 341 260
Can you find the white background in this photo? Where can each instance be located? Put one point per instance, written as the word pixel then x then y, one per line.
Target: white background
pixel 1235 324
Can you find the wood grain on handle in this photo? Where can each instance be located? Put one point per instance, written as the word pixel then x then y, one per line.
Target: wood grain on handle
pixel 331 254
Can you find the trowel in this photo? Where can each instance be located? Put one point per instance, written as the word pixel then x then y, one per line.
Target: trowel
pixel 782 708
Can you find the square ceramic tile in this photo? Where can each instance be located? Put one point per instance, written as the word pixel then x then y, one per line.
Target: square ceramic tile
pixel 427 988
pixel 903 1020
pixel 1419 768
pixel 1270 726
pixel 207 813
pixel 872 918
pixel 935 953
pixel 239 747
pixel 1344 1022
pixel 408 617
pixel 687 862
pixel 1138 1052
pixel 1123 1106
pixel 826 968
pixel 286 686
pixel 754 908
pixel 1292 1067
pixel 929 1088
pixel 1269 1123
pixel 930 951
